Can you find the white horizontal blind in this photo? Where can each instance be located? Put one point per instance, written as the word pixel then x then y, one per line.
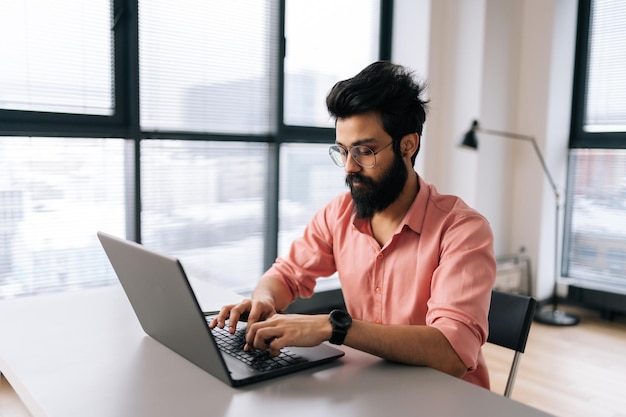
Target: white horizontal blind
pixel 595 245
pixel 55 194
pixel 205 65
pixel 606 88
pixel 56 56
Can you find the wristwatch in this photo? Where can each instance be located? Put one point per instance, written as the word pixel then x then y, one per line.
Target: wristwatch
pixel 341 322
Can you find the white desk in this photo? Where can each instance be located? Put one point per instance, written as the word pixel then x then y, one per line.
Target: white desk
pixel 84 354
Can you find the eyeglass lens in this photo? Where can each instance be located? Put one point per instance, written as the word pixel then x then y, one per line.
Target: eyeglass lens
pixel 362 155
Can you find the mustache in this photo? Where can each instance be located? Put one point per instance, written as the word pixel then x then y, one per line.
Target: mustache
pixel 352 178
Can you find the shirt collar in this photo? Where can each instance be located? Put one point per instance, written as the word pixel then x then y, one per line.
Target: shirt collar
pixel 414 217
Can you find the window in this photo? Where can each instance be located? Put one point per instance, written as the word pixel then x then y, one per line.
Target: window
pixel 307 182
pixel 605 109
pixel 595 230
pixel 56 56
pixel 203 202
pixel 175 124
pixel 205 66
pixel 346 33
pixel 55 193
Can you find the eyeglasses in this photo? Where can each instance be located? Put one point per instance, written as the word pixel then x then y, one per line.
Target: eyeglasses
pixel 362 155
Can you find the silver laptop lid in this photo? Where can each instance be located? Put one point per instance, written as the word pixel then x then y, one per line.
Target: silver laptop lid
pixel 164 302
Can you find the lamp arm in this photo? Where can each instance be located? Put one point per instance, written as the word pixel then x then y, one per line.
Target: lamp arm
pixel 537 151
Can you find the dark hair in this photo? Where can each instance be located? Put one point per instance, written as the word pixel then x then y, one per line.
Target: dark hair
pixel 387 89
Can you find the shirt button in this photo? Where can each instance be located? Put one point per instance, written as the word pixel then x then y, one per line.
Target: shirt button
pixel 378 290
pixel 378 321
pixel 380 256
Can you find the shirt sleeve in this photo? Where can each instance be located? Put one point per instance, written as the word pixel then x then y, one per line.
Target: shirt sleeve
pixel 461 286
pixel 310 256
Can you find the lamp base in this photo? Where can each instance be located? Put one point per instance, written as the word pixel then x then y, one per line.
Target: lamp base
pixel 556 317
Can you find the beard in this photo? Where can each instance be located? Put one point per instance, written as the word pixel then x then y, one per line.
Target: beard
pixel 373 196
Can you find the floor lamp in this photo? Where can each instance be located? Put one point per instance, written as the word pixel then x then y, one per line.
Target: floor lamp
pixel 551 315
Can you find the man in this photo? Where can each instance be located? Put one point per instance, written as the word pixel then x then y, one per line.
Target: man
pixel 416 267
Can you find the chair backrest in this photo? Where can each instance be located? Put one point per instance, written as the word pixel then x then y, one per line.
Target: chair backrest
pixel 510 318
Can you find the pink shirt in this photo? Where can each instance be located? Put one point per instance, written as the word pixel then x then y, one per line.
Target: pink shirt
pixel 438 269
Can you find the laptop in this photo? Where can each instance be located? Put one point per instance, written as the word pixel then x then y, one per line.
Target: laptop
pixel 163 300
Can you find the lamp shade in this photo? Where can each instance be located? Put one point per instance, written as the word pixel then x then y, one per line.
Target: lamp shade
pixel 470 140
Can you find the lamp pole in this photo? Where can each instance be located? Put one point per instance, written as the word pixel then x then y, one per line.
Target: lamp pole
pixel 553 315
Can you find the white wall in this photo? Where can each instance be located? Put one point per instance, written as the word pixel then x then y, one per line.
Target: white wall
pixel 508 63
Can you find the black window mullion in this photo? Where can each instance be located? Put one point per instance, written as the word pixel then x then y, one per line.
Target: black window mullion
pixel 270 239
pixel 30 123
pixel 126 66
pixel 386 29
pixel 580 73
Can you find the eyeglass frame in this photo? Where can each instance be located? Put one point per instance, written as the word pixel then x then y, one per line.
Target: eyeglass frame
pixel 337 148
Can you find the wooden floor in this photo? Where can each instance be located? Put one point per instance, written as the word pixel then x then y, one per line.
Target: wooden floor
pixel 577 371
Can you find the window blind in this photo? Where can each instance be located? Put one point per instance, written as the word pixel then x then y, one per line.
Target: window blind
pixel 56 56
pixel 606 83
pixel 205 65
pixel 595 239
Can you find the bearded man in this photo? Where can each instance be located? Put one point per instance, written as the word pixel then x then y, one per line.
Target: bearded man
pixel 416 267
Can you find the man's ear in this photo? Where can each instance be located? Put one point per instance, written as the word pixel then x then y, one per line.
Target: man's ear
pixel 409 144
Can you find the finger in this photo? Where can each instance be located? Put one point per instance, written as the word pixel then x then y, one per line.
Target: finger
pixel 213 323
pixel 222 316
pixel 274 351
pixel 254 314
pixel 260 312
pixel 265 338
pixel 251 335
pixel 274 346
pixel 238 312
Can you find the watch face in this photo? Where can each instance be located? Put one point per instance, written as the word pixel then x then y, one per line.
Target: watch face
pixel 341 318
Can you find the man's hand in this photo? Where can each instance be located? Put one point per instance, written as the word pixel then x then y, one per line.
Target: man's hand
pixel 282 330
pixel 248 310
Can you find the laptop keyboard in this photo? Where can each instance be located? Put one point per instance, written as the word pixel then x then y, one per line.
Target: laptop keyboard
pixel 261 360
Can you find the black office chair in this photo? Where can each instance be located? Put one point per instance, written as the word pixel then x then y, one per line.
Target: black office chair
pixel 510 317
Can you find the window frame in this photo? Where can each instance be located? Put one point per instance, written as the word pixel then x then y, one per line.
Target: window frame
pixel 125 121
pixel 580 139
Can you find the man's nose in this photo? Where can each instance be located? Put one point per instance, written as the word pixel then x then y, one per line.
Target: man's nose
pixel 351 165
